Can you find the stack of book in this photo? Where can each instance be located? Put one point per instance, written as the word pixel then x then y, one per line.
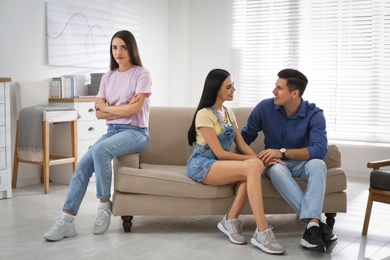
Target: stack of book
pixel 67 86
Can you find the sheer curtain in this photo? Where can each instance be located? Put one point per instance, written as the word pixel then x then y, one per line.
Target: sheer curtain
pixel 343 47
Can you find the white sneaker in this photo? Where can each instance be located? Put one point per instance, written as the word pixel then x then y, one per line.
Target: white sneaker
pixel 61 229
pixel 267 242
pixel 103 221
pixel 233 229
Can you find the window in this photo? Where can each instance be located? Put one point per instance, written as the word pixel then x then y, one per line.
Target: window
pixel 342 46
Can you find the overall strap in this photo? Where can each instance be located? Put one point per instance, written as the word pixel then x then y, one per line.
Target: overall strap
pixel 217 114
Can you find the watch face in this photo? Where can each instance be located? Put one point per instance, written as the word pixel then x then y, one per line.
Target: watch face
pixel 283 150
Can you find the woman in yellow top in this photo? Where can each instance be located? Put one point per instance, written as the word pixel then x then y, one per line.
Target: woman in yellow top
pixel 212 132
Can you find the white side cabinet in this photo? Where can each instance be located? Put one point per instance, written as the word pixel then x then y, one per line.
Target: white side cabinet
pixel 5 139
pixel 89 128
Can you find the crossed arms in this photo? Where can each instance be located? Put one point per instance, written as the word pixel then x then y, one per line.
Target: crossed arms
pixel 104 111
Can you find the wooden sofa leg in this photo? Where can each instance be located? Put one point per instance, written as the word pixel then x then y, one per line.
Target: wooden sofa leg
pixel 330 219
pixel 127 223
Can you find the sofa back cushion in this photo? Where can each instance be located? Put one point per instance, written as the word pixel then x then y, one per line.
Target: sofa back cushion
pixel 168 127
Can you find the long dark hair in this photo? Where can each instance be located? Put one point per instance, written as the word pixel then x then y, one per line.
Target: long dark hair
pixel 212 84
pixel 132 48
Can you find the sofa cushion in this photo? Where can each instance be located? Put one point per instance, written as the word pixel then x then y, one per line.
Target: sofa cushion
pixel 172 180
pixel 380 179
pixel 166 180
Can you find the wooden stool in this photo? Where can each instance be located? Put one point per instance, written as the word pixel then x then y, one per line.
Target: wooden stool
pixel 48 159
pixel 27 95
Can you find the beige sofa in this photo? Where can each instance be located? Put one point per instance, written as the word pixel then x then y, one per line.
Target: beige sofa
pixel 155 183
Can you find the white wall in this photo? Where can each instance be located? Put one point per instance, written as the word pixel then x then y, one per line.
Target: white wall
pixel 355 157
pixel 180 42
pixel 210 42
pixel 199 41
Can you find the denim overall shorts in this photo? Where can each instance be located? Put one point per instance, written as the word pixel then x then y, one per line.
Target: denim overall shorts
pixel 202 157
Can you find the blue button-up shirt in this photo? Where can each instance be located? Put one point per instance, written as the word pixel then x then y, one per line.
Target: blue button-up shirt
pixel 307 128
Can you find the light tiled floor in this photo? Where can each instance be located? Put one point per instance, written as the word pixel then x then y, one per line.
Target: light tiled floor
pixel 29 214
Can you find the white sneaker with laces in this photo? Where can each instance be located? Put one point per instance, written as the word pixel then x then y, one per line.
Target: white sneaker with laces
pixel 61 229
pixel 233 229
pixel 267 242
pixel 103 221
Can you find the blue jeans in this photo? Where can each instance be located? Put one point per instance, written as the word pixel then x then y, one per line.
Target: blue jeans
pixel 119 140
pixel 309 204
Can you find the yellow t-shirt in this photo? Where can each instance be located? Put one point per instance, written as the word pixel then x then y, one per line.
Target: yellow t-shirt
pixel 206 118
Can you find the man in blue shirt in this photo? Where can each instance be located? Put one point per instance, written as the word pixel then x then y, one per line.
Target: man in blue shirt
pixel 295 132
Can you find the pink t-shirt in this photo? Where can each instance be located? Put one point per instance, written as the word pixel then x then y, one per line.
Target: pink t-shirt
pixel 117 88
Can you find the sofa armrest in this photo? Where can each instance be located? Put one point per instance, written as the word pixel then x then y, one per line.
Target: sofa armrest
pixel 129 160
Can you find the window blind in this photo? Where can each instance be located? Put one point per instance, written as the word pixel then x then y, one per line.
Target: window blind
pixel 342 46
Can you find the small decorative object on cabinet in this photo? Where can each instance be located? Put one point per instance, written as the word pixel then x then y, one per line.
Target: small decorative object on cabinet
pixel 5 139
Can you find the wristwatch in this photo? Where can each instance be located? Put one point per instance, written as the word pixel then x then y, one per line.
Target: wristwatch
pixel 283 151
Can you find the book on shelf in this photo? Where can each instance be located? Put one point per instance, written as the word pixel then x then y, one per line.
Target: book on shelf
pixel 66 82
pixel 55 88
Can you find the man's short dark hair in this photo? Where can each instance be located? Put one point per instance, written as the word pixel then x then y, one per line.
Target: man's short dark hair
pixel 296 80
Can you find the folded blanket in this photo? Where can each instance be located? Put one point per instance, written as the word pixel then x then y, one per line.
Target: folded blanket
pixel 30 133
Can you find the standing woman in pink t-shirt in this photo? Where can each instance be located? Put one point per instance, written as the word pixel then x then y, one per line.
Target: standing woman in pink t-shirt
pixel 123 101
